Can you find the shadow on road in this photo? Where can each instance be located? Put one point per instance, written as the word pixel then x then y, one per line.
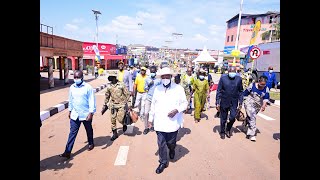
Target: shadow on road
pixel 203 115
pixel 276 136
pixel 180 152
pixel 182 132
pixel 134 132
pixel 235 130
pixel 57 163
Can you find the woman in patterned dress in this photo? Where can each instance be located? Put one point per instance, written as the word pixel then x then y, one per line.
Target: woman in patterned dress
pixel 256 97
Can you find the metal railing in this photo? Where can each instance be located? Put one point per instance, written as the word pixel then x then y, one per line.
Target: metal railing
pixel 44 40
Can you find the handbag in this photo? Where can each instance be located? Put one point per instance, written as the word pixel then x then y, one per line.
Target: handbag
pixel 240 116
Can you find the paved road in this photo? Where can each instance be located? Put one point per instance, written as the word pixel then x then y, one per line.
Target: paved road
pixel 200 153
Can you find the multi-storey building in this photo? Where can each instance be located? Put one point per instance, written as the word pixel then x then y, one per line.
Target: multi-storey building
pixel 268 21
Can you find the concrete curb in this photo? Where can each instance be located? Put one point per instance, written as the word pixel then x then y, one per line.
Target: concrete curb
pixel 62 106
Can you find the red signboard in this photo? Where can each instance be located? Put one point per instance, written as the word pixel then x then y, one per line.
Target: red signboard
pixel 104 49
pixel 265 52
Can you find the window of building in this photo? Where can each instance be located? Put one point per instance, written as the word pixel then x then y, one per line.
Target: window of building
pixel 270 19
pixel 228 39
pixel 231 38
pixel 254 20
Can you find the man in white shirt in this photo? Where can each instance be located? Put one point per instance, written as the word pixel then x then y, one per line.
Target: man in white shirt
pixel 167 106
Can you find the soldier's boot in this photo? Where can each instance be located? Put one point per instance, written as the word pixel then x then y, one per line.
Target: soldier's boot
pixel 115 135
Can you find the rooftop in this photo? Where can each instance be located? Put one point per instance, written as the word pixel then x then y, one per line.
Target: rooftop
pixel 248 15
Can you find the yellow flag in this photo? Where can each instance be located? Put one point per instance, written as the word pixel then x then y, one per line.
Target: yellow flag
pixel 255 32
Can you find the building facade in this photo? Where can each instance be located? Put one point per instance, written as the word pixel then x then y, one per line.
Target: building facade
pixel 268 20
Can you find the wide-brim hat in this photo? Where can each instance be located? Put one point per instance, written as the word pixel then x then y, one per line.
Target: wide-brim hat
pixel 143 68
pixel 165 71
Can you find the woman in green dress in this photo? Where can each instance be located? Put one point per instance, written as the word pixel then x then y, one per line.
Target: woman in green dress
pixel 201 92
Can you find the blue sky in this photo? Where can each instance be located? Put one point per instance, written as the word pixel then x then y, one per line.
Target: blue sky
pixel 202 22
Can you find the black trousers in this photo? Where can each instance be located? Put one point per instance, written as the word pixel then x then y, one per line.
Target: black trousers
pixel 166 139
pixel 224 115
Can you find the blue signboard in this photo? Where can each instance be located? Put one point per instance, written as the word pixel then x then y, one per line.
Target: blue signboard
pixel 122 50
pixel 228 49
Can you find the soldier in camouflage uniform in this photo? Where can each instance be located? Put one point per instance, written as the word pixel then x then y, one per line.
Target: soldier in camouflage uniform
pixel 187 82
pixel 117 95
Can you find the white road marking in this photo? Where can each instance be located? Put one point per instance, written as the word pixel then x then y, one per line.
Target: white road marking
pixel 266 117
pixel 121 159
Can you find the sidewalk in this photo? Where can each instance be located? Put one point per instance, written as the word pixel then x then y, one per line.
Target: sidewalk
pixel 53 101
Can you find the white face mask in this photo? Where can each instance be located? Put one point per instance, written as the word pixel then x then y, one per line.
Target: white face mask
pixel 270 71
pixel 165 81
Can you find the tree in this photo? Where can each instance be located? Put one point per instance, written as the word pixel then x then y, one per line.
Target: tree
pixel 275 33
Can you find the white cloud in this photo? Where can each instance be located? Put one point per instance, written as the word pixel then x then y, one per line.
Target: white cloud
pixel 216 30
pixel 78 20
pixel 71 27
pixel 199 20
pixel 199 37
pixel 146 16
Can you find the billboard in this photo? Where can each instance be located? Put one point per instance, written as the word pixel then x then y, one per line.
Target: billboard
pixel 103 48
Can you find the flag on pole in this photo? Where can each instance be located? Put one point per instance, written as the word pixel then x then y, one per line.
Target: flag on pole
pixel 96 51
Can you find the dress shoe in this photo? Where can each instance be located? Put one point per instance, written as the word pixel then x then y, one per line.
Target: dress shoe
pixel 229 134
pixel 171 154
pixel 115 135
pixel 124 128
pixel 90 147
pixel 146 131
pixel 160 168
pixel 151 129
pixel 66 155
pixel 222 136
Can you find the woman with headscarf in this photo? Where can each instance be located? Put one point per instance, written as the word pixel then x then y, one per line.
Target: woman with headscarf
pixel 256 97
pixel 201 92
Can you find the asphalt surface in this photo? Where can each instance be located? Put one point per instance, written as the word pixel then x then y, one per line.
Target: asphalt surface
pixel 200 153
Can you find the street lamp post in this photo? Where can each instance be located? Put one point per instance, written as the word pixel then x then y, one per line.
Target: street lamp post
pixel 95 12
pixel 176 35
pixel 238 31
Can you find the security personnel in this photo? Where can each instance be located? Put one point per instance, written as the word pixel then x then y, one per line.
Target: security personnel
pixel 117 95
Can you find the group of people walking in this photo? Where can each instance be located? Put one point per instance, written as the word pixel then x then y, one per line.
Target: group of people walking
pixel 160 97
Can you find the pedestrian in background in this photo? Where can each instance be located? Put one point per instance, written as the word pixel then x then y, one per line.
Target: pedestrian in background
pixel 187 82
pixel 96 72
pixel 82 106
pixel 168 103
pixel 228 99
pixel 272 80
pixel 150 85
pixel 255 97
pixel 141 94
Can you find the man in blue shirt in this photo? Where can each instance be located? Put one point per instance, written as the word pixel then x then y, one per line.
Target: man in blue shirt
pixel 150 84
pixel 272 79
pixel 228 98
pixel 82 106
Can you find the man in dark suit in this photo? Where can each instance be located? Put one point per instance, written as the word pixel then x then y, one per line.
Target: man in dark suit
pixel 229 98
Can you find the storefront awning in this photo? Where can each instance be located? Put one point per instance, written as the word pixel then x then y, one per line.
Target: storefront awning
pixel 105 56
